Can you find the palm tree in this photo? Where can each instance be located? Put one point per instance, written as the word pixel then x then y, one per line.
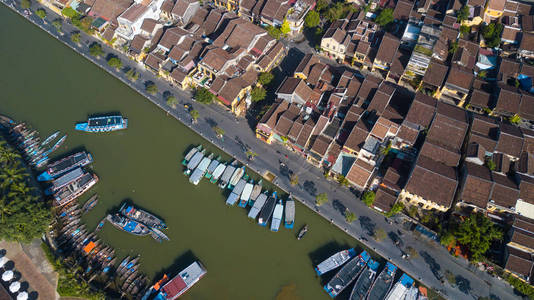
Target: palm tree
pixel 8 157
pixel 5 207
pixel 19 188
pixel 10 175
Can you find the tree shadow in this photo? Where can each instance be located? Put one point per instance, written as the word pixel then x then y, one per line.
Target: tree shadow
pixel 340 207
pixel 431 262
pixel 309 186
pixel 463 284
pixel 166 94
pixel 110 56
pixel 367 224
pixel 212 123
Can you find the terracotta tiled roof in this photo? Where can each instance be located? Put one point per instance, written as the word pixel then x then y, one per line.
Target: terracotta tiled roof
pixel 480 98
pixel 505 191
pixel 367 89
pixel 408 134
pixel 485 131
pixel 460 78
pixel 510 140
pixel 402 10
pixel 166 6
pixel 134 12
pixel 508 101
pixel 526 109
pixel 384 199
pixel 497 5
pixel 387 49
pixel 422 110
pixel 148 25
pixel 357 136
pixel 321 144
pixel 441 153
pixel 527 42
pixel 508 68
pixel 519 265
pixel 526 189
pixel 109 9
pixel 477 186
pixel 138 43
pixel 449 127
pixel 360 173
pixel 528 140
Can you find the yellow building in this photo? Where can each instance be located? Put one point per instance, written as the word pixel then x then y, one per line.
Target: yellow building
pixel 494 10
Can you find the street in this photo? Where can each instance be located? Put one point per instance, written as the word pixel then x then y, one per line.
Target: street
pixel 428 266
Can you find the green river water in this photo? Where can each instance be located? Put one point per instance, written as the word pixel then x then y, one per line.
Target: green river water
pixel 51 87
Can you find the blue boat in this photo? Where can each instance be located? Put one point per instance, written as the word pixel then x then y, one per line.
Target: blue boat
pixel 103 124
pixel 289 219
pixel 64 165
pixel 401 288
pixel 347 274
pixel 383 283
pixel 128 225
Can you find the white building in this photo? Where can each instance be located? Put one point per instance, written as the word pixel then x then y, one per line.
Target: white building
pixel 130 20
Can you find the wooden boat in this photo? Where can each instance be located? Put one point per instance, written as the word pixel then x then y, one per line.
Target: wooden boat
pixel 364 282
pixel 158 235
pixel 346 275
pixel 124 262
pixel 142 216
pixel 383 283
pixel 302 232
pixel 100 225
pixel 90 204
pixel 218 172
pixel 190 154
pixel 128 225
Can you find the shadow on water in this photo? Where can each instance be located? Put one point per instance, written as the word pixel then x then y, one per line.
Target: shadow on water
pixel 180 263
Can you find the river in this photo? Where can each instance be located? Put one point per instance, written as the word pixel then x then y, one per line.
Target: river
pixel 51 87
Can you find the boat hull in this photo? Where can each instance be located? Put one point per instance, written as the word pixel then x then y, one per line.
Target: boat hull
pixel 119 123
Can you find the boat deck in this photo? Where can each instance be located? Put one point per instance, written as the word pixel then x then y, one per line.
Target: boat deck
pixel 104 121
pixel 258 205
pixel 67 178
pixel 67 162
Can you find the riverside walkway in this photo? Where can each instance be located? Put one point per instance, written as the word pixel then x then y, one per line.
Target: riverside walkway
pixel 428 267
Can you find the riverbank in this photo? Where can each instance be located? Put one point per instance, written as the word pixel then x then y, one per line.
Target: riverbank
pixel 308 175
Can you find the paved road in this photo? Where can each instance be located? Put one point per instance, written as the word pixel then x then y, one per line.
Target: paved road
pixel 432 260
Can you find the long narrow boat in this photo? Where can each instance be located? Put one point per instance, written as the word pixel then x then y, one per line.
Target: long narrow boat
pixel 258 205
pixel 50 138
pixel 364 282
pixel 75 189
pixel 103 124
pixel 289 220
pixel 217 173
pixel 142 216
pixel 400 289
pixel 177 286
pixel 238 174
pixel 57 145
pixel 267 210
pixel 277 216
pixel 227 175
pixel 64 180
pixel 211 168
pixel 335 261
pixel 234 195
pixel 193 163
pixel 199 172
pixel 346 275
pixel 90 204
pixel 302 232
pixel 128 225
pixel 245 195
pixel 158 235
pixel 190 154
pixel 66 164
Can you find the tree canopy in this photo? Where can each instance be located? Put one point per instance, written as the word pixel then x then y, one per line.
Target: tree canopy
pixel 368 197
pixel 477 232
pixel 194 114
pixel 96 50
pixel 258 94
pixel 25 4
pixel 492 34
pixel 385 17
pixel 463 13
pixel 321 199
pixel 75 37
pixel 57 23
pixel 172 101
pixel 202 95
pixel 274 32
pixel 69 12
pixel 115 62
pixel 312 19
pixel 23 215
pixel 151 88
pixel 285 29
pixel 132 74
pixel 349 216
pixel 265 78
pixel 41 13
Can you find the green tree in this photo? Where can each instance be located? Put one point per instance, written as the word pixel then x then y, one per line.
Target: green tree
pixel 464 29
pixel 204 96
pixel 379 234
pixel 489 163
pixel 41 13
pixel 132 75
pixel 515 119
pixel 385 17
pixel 96 50
pixel 265 78
pixel 75 37
pixel 251 154
pixel 194 115
pixel 492 34
pixel 312 19
pixel 321 199
pixel 115 62
pixel 349 216
pixel 462 14
pixel 172 101
pixel 285 29
pixel 219 131
pixel 69 12
pixel 151 88
pixel 453 47
pixel 274 32
pixel 411 251
pixel 397 208
pixel 57 23
pixel 257 94
pixel 447 239
pixel 342 180
pixel 321 5
pixel 368 197
pixel 25 4
pixel 476 233
pixel 294 180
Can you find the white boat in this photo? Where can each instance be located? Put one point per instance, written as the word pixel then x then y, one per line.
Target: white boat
pixel 277 216
pixel 177 286
pixel 211 168
pixel 200 170
pixel 217 173
pixel 289 219
pixel 190 154
pixel 245 196
pixel 258 204
pixel 226 176
pixel 400 289
pixel 239 187
pixel 232 199
pixel 236 177
pixel 195 160
pixel 335 261
pixel 256 191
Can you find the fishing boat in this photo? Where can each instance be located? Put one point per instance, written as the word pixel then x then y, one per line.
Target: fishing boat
pixel 364 282
pixel 346 275
pixel 335 261
pixel 199 172
pixel 217 173
pixel 50 138
pixel 75 189
pixel 258 205
pixel 57 145
pixel 211 168
pixel 103 124
pixel 142 216
pixel 100 225
pixel 400 289
pixel 177 286
pixel 267 210
pixel 65 165
pixel 277 216
pixel 123 264
pixel 238 174
pixel 190 154
pixel 90 204
pixel 234 195
pixel 302 232
pixel 128 225
pixel 64 180
pixel 158 235
pixel 227 174
pixel 289 219
pixel 245 195
pixel 256 191
pixel 193 163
